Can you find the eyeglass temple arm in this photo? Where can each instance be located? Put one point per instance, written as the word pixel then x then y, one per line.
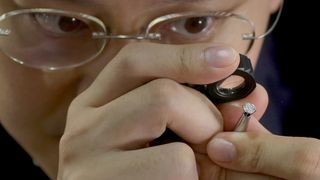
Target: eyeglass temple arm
pixel 253 37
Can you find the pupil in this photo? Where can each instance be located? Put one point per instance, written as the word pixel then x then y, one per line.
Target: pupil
pixel 68 24
pixel 196 24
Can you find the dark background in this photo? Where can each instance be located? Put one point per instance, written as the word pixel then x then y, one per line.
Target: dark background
pixel 296 41
pixel 297 51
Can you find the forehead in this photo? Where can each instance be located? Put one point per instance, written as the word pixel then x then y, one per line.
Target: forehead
pixel 125 7
pixel 135 1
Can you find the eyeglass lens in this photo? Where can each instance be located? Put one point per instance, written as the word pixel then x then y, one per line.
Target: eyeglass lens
pixel 50 39
pixel 58 40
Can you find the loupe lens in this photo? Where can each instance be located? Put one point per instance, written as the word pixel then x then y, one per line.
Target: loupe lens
pixel 237 86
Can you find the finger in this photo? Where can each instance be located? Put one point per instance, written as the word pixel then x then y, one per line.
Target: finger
pixel 208 170
pixel 233 175
pixel 170 161
pixel 283 157
pixel 232 111
pixel 139 63
pixel 143 115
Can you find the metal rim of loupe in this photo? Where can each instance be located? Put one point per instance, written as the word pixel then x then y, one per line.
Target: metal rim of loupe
pixel 223 95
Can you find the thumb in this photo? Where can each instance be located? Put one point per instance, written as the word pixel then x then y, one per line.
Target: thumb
pixel 278 156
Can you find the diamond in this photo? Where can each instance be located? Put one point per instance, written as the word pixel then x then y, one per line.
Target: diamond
pixel 249 108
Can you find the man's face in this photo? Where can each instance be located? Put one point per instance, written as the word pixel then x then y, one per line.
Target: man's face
pixel 33 103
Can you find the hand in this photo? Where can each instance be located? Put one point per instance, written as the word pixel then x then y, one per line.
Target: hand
pixel 132 102
pixel 291 158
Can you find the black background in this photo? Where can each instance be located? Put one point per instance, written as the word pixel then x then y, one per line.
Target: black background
pixel 297 45
pixel 297 50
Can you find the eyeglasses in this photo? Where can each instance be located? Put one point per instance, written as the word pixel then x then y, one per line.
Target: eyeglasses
pixel 53 39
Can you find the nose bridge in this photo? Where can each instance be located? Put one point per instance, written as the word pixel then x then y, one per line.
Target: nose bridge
pixel 122 21
pixel 90 71
pixel 126 25
pixel 112 48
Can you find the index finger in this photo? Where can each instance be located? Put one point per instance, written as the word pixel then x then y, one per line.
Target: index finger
pixel 139 63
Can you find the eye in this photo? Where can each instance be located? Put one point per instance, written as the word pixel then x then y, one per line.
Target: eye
pixel 186 29
pixel 59 25
pixel 192 26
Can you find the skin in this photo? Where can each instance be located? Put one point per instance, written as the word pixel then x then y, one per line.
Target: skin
pixel 96 122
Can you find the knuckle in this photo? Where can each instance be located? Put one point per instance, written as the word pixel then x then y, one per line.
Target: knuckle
pixel 162 104
pixel 165 94
pixel 71 147
pixel 74 107
pixel 66 152
pixel 308 160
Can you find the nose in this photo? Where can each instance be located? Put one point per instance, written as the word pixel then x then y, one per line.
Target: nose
pixel 90 71
pixel 123 26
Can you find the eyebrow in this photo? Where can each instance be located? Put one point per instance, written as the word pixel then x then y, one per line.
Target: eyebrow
pixel 180 1
pixel 156 1
pixel 86 2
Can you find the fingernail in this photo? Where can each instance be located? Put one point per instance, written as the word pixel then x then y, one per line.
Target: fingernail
pixel 220 57
pixel 221 150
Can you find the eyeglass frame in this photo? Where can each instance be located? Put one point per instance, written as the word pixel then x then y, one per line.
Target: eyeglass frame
pixel 251 36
